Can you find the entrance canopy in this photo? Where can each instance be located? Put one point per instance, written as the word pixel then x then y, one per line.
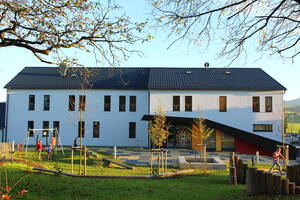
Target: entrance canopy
pixel 251 138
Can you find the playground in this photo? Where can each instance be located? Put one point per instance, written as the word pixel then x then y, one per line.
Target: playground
pixel 198 184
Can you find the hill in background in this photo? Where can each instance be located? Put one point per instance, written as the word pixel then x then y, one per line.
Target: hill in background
pixel 293 105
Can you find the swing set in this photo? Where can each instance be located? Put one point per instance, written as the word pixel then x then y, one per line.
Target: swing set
pixel 55 139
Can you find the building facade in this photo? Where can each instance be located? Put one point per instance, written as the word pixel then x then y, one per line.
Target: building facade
pixel 109 112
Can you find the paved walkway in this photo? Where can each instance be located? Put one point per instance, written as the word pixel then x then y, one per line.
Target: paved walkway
pixel 141 156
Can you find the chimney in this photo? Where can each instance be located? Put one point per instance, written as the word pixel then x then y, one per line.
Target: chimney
pixel 206 65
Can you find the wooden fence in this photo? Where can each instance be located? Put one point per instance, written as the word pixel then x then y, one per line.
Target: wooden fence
pixel 6 151
pixel 260 182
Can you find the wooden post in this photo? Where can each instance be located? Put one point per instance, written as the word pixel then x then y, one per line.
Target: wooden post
pixel 85 151
pixel 236 160
pixel 231 160
pixel 277 184
pixel 232 176
pixel 297 174
pixel 285 186
pixel 72 160
pixel 240 172
pixel 292 188
pixel 289 172
pixel 297 190
pixel 251 181
pixel 269 183
pixel 245 168
pixel 261 182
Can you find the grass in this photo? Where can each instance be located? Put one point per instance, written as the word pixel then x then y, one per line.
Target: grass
pixel 293 128
pixel 193 186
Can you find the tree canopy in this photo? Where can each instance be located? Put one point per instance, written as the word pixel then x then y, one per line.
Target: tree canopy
pixel 270 26
pixel 46 27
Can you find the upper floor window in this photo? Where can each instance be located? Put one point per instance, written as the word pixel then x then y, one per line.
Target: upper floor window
pixel 268 104
pixel 31 102
pixel 132 103
pixel 46 102
pixel 30 126
pixel 262 127
pixel 176 103
pixel 222 103
pixel 96 129
pixel 81 125
pixel 132 129
pixel 56 128
pixel 122 103
pixel 45 126
pixel 82 102
pixel 255 104
pixel 107 103
pixel 188 103
pixel 71 102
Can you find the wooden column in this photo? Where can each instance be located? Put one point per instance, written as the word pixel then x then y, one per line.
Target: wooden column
pixel 218 140
pixel 251 181
pixel 277 184
pixel 196 137
pixel 285 186
pixel 261 182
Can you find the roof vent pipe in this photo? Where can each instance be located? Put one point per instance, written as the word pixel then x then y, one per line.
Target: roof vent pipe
pixel 206 65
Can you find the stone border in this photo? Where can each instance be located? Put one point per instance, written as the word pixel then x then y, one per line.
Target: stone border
pixel 216 164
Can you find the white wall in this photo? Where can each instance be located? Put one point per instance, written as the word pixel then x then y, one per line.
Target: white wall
pixel 114 125
pixel 239 108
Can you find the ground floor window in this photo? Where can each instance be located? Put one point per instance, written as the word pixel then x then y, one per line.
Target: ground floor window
pixel 180 137
pixel 132 129
pixel 30 125
pixel 81 125
pixel 262 127
pixel 96 129
pixel 45 126
pixel 227 142
pixel 56 128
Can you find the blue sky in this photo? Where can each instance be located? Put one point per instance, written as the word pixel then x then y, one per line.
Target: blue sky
pixel 156 55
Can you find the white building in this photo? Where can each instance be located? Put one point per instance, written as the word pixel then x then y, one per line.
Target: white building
pixel 116 99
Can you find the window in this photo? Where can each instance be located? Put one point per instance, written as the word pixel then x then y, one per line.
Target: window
pixel 188 103
pixel 176 103
pixel 107 103
pixel 30 125
pixel 96 129
pixel 82 103
pixel 46 102
pixel 55 127
pixel 255 104
pixel 262 127
pixel 268 101
pixel 31 102
pixel 71 102
pixel 45 126
pixel 81 128
pixel 122 103
pixel 132 107
pixel 132 129
pixel 222 103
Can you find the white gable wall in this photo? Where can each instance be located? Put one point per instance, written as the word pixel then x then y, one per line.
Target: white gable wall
pixel 239 108
pixel 114 125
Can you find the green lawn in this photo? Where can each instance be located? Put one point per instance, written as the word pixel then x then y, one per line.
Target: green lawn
pixel 293 128
pixel 194 186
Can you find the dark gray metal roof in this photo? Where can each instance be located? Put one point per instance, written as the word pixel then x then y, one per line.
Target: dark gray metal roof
pixel 101 78
pixel 212 79
pixel 2 115
pixel 148 78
